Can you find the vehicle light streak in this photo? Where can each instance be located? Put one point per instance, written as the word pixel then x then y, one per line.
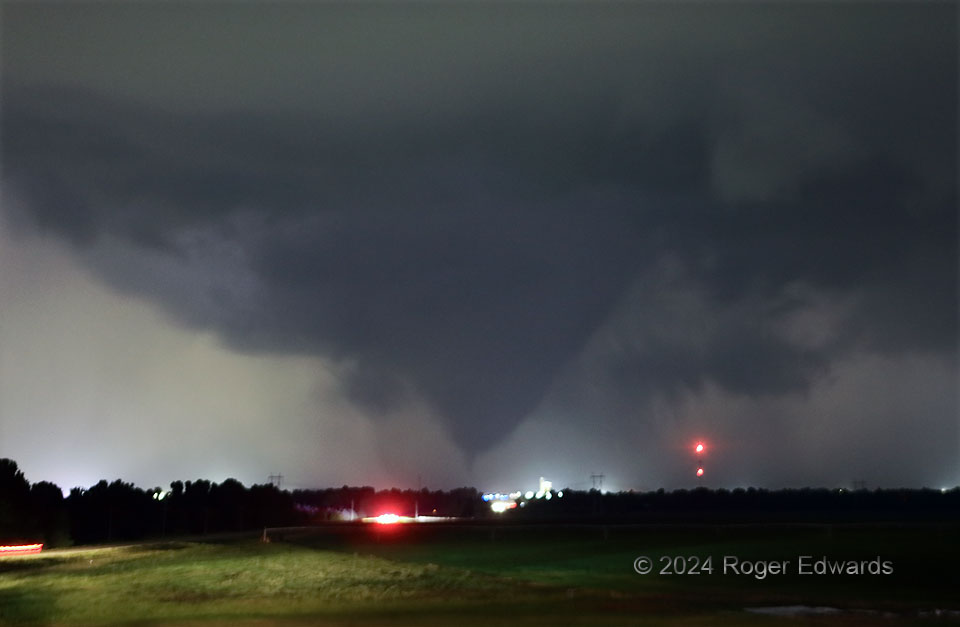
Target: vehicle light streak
pixel 20 549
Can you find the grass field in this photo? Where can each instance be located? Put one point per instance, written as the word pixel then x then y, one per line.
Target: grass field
pixel 481 576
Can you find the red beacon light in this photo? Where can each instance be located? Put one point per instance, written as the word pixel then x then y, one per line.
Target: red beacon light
pixel 699 447
pixel 699 472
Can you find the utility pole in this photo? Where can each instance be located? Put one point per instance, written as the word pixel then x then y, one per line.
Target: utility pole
pixel 416 500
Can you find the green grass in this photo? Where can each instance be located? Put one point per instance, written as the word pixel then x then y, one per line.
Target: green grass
pixel 200 580
pixel 924 560
pixel 525 577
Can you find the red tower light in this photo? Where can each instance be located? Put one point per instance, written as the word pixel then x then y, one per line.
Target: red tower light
pixel 699 448
pixel 699 472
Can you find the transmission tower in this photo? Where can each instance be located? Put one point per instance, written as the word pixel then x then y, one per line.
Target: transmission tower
pixel 598 481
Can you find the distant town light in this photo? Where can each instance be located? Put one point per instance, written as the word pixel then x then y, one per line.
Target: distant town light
pixel 560 494
pixel 545 485
pixel 529 494
pixel 502 506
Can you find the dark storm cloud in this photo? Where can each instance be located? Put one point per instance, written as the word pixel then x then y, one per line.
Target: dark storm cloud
pixel 454 203
pixel 476 299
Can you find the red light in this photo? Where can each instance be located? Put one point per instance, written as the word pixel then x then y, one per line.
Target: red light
pixel 388 519
pixel 699 447
pixel 20 549
pixel 699 472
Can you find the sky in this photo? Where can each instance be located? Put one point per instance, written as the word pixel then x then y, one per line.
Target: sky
pixel 473 243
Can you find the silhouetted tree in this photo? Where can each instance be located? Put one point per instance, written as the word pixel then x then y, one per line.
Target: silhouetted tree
pixel 15 512
pixel 50 514
pixel 227 502
pixel 196 496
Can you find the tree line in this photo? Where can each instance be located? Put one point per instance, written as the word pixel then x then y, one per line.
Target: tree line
pixel 120 511
pixel 749 505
